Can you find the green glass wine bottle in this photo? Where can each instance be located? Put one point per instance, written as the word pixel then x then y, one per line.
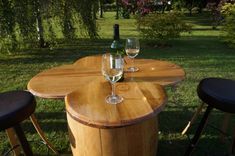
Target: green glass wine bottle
pixel 116 46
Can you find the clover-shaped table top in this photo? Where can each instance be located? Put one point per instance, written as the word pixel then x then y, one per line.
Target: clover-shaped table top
pixel 59 81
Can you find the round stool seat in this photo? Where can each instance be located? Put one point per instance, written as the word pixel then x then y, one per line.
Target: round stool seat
pixel 15 106
pixel 218 93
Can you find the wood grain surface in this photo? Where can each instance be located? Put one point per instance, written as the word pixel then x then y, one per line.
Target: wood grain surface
pixel 57 82
pixel 142 100
pixel 135 140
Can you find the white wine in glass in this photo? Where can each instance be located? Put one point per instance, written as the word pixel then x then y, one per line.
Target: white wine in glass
pixel 112 70
pixel 132 50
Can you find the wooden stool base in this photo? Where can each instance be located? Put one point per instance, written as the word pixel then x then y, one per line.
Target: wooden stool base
pixel 135 140
pixel 14 141
pixel 195 115
pixel 41 134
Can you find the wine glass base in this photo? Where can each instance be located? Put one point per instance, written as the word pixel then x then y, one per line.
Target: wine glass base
pixel 132 69
pixel 114 99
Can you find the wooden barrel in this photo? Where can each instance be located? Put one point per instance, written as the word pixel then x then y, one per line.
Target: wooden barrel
pixel 126 129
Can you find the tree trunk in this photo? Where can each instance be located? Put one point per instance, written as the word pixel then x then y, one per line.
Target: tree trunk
pixel 40 29
pixel 164 4
pixel 101 8
pixel 68 29
pixel 95 8
pixel 190 7
pixel 190 11
pixel 8 22
pixel 117 10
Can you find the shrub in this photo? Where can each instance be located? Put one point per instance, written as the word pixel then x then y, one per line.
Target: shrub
pixel 162 27
pixel 110 7
pixel 5 45
pixel 195 9
pixel 125 13
pixel 228 10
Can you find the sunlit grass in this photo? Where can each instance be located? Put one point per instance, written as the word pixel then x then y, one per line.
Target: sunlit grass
pixel 127 26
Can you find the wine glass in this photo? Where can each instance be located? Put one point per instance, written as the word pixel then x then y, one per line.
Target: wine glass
pixel 132 50
pixel 112 69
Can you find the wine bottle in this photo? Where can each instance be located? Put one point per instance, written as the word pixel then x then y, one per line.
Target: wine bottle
pixel 116 46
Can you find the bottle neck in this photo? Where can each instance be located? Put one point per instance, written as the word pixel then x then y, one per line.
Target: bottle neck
pixel 116 35
pixel 116 45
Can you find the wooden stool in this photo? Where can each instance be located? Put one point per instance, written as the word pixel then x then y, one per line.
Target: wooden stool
pixel 12 99
pixel 15 107
pixel 216 93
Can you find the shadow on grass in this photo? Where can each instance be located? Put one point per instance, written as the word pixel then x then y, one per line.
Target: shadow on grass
pixel 171 142
pixel 183 48
pixel 49 122
pixel 63 53
pixel 205 147
pixel 206 29
pixel 203 19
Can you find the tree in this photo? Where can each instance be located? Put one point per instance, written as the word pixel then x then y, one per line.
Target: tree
pixel 32 19
pixel 141 7
pixel 228 11
pixel 40 29
pixel 189 5
pixel 101 8
pixel 117 9
pixel 68 30
pixel 7 22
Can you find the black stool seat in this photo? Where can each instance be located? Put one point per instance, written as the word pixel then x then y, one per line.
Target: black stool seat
pixel 16 106
pixel 218 93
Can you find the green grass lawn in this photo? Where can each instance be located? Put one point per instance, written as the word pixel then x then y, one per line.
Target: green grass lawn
pixel 201 53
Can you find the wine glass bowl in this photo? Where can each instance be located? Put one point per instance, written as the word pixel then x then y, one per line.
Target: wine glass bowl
pixel 112 70
pixel 132 49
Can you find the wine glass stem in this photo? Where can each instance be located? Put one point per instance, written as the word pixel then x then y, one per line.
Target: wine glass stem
pixel 113 89
pixel 133 63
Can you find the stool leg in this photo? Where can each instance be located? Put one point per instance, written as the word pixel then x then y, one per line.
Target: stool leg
pixel 41 134
pixel 23 141
pixel 195 115
pixel 233 144
pixel 13 141
pixel 198 132
pixel 225 124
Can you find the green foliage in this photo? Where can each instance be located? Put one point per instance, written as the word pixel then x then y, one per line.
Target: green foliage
pixel 110 7
pixel 228 11
pixel 178 5
pixel 162 27
pixel 7 18
pixel 7 26
pixel 25 22
pixel 190 5
pixel 125 13
pixel 5 45
pixel 86 10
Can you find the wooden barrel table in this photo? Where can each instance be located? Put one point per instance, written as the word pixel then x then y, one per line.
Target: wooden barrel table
pixel 129 128
pixel 99 129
